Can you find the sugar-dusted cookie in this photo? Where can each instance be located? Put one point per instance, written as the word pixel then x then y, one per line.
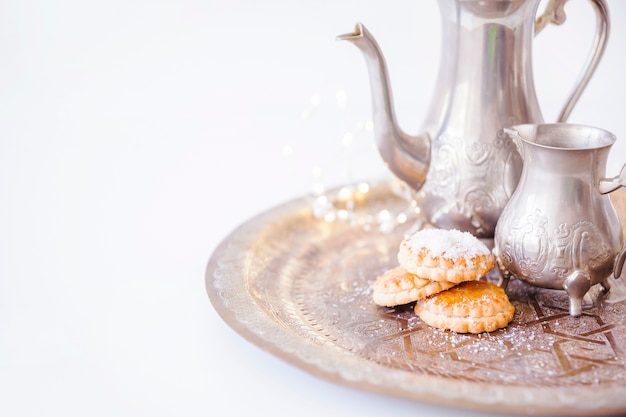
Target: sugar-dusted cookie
pixel 397 286
pixel 445 255
pixel 469 307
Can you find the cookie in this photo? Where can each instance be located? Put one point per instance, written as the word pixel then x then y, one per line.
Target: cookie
pixel 445 255
pixel 397 286
pixel 469 307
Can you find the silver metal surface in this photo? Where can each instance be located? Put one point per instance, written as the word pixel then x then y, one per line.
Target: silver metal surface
pixel 559 230
pixel 463 165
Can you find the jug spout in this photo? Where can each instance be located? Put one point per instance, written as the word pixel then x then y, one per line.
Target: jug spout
pixel 408 157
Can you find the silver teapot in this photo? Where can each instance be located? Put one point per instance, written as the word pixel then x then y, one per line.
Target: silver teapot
pixel 560 230
pixel 464 167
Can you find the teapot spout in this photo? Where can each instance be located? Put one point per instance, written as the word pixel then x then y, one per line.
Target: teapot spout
pixel 408 157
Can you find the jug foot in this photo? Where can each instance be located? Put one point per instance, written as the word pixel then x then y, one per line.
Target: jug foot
pixel 577 285
pixel 595 294
pixel 617 290
pixel 505 274
pixel 504 280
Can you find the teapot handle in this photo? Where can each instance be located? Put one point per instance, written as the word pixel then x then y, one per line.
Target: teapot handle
pixel 555 13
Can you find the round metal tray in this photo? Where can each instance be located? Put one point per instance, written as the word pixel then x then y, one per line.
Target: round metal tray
pixel 300 288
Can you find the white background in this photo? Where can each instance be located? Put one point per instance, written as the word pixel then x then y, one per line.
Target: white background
pixel 136 135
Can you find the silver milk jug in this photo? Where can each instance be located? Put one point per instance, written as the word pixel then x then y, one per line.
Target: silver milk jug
pixel 464 167
pixel 559 229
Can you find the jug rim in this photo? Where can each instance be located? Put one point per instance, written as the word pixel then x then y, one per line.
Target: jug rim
pixel 563 136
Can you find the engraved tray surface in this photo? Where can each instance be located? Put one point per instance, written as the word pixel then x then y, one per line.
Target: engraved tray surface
pixel 300 288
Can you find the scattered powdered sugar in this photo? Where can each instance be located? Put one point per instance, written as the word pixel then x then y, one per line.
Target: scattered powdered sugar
pixel 452 244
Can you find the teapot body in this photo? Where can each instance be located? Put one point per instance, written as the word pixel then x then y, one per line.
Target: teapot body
pixel 485 82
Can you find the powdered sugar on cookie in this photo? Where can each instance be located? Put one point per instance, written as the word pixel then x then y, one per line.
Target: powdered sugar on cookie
pixel 445 255
pixel 451 244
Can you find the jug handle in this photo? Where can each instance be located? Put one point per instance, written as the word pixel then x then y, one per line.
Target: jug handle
pixel 608 185
pixel 555 13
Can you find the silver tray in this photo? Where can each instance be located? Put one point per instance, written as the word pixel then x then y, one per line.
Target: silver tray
pixel 300 288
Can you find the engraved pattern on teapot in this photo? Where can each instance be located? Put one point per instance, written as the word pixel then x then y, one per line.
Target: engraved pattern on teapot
pixel 481 184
